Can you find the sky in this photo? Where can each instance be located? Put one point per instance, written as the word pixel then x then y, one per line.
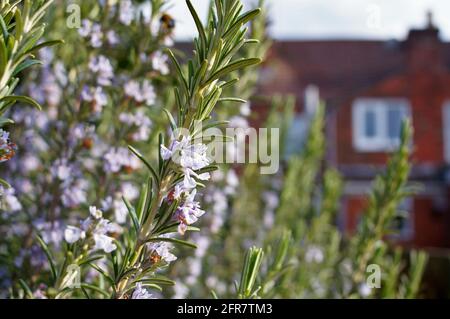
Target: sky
pixel 335 19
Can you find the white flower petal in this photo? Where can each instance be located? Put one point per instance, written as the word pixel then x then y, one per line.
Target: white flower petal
pixel 73 234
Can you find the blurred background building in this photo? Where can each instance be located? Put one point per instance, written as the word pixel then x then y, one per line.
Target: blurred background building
pixel 369 88
pixel 373 63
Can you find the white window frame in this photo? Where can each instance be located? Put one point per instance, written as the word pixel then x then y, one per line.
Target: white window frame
pixel 446 130
pixel 381 142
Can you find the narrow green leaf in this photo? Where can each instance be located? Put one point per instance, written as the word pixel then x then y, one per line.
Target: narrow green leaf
pixel 26 289
pixel 103 273
pixel 179 71
pixel 90 260
pixel 198 23
pixel 96 289
pixel 141 203
pixel 85 293
pixel 232 99
pixel 227 84
pixel 19 23
pixel 172 122
pixel 237 65
pixel 5 121
pixel 25 65
pixel 48 255
pixel 159 280
pixel 4 183
pixel 132 213
pixel 147 164
pixel 23 99
pixel 43 45
pixel 242 20
pixel 3 57
pixel 4 29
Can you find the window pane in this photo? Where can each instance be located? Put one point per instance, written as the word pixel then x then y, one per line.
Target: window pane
pixel 297 133
pixel 370 123
pixel 394 123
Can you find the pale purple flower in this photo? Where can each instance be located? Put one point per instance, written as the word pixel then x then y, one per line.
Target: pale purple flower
pixel 93 31
pixel 94 226
pixel 190 157
pixel 95 213
pixel 141 293
pixel 245 109
pixel 162 249
pixel 148 93
pixel 30 163
pixel 103 242
pixel 203 243
pixel 120 211
pixel 181 290
pixel 314 254
pixel 186 154
pixel 4 138
pixel 193 156
pixel 72 234
pixel 188 213
pixel 107 203
pixel 144 93
pixel 96 36
pixel 140 121
pixel 117 158
pixel 61 169
pixel 179 190
pixel 232 182
pixel 8 200
pixel 189 181
pixel 51 232
pixel 166 153
pixel 75 194
pixel 271 199
pixel 101 66
pixel 113 38
pixel 86 28
pixel 160 63
pixel 126 12
pixel 133 90
pixel 96 96
pixel 238 122
pixel 364 290
pixel 129 191
pixel 39 294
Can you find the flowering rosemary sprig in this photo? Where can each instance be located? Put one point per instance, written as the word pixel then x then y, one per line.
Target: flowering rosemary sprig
pixel 167 204
pixel 107 97
pixel 196 273
pixel 389 190
pixel 250 271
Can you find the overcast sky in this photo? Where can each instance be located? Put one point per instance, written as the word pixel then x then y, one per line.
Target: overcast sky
pixel 303 19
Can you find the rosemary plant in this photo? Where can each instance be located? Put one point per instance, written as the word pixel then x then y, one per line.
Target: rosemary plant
pixel 75 151
pixel 203 268
pixel 166 204
pixel 325 264
pixel 174 183
pixel 21 30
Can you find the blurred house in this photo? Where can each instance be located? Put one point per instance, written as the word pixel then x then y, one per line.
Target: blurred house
pixel 369 88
